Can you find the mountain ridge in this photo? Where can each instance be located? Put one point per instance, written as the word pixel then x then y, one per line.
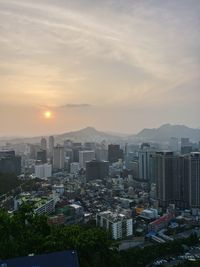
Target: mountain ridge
pixel 90 134
pixel 166 131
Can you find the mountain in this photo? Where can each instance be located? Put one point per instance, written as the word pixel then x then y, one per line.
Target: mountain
pixel 88 134
pixel 166 131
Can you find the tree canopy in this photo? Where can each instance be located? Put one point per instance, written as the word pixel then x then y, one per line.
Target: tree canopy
pixel 25 232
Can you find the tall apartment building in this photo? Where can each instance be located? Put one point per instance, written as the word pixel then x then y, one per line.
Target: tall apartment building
pixel 186 146
pixel 118 224
pixel 101 154
pixel 114 153
pixel 43 143
pixel 43 171
pixel 96 169
pixel 194 179
pixel 42 156
pixel 9 162
pixel 51 145
pixel 177 179
pixel 166 172
pixel 58 157
pixel 84 156
pixel 144 165
pixel 173 144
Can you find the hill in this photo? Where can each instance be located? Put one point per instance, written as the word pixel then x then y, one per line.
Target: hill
pixel 88 134
pixel 166 131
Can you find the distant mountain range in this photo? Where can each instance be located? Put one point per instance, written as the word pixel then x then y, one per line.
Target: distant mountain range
pixel 90 134
pixel 166 131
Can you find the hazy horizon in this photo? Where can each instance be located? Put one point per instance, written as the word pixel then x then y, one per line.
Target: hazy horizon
pixel 115 65
pixel 114 133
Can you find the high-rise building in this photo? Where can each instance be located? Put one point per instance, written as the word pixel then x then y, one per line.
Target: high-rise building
pixel 144 165
pixel 135 167
pixel 165 172
pixel 43 171
pixel 76 148
pixel 43 143
pixel 96 169
pixel 173 144
pixel 171 174
pixel 177 179
pixel 90 146
pixel 51 145
pixel 101 154
pixel 9 162
pixel 84 156
pixel 68 144
pixel 33 149
pixel 194 179
pixel 114 153
pixel 119 225
pixel 58 157
pixel 185 142
pixel 181 182
pixel 186 146
pixel 42 156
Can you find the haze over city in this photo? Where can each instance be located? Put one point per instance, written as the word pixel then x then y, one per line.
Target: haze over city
pixel 118 65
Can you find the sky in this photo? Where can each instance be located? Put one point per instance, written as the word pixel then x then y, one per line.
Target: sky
pixel 116 65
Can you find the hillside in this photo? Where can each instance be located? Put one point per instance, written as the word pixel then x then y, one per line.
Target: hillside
pixel 166 131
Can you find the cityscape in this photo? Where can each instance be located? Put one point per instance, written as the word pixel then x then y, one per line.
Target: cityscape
pixel 99 133
pixel 142 193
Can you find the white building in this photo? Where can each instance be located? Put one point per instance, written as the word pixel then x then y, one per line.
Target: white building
pixel 119 225
pixel 84 156
pixel 41 205
pixel 74 167
pixel 150 213
pixel 43 171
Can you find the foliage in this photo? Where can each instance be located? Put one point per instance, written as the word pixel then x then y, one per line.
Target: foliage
pixel 25 232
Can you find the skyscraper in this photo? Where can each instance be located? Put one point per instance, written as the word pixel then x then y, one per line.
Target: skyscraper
pixel 96 169
pixel 43 143
pixel 173 144
pixel 173 176
pixel 194 179
pixel 165 171
pixel 51 145
pixel 9 162
pixel 114 153
pixel 84 156
pixel 58 157
pixel 42 156
pixel 144 162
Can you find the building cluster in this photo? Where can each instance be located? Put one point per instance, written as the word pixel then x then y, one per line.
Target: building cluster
pixel 128 189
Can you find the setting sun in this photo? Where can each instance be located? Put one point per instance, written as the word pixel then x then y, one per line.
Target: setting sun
pixel 48 114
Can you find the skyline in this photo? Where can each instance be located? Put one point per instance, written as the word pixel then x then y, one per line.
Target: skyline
pixel 115 65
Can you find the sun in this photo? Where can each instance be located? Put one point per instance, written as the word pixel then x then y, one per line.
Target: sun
pixel 48 114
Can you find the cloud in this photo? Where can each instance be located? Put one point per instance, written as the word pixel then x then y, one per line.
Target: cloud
pixel 118 54
pixel 76 106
